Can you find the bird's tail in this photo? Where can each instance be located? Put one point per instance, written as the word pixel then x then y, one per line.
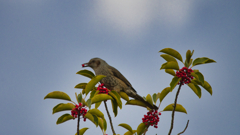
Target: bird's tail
pixel 137 97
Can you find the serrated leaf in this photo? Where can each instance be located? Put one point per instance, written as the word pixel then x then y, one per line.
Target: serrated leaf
pixel 149 99
pixel 100 97
pixel 79 97
pixel 141 128
pixel 196 89
pixel 81 86
pixel 174 82
pixel 203 60
pixel 97 104
pixel 154 97
pixel 91 84
pixel 179 108
pixel 96 112
pixel 136 102
pixel 172 52
pixel 116 96
pixel 126 126
pixel 124 96
pixel 170 71
pixel 114 107
pixel 86 73
pixel 206 85
pixel 82 131
pixel 64 118
pixel 168 58
pixel 58 95
pixel 170 65
pixel 63 107
pixel 164 93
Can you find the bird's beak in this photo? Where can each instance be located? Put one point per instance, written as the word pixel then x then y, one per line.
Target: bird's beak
pixel 85 65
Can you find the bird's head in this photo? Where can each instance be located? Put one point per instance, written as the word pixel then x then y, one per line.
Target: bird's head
pixel 94 63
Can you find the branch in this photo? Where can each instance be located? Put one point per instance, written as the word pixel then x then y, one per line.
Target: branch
pixel 109 118
pixel 174 107
pixel 184 129
pixel 78 123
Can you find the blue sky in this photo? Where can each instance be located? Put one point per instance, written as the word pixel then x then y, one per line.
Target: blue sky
pixel 44 42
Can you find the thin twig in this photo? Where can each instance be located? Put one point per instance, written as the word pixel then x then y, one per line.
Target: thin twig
pixel 78 123
pixel 109 118
pixel 174 107
pixel 184 129
pixel 146 130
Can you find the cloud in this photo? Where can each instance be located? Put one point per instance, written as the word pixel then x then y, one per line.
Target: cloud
pixel 134 15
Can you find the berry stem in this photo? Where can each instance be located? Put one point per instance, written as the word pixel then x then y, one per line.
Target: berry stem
pixel 78 123
pixel 109 118
pixel 174 107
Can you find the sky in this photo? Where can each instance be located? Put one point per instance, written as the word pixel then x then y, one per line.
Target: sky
pixel 44 42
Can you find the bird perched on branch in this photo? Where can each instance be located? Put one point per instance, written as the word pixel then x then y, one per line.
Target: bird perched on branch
pixel 114 80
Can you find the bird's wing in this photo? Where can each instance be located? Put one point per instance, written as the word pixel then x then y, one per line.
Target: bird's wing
pixel 117 74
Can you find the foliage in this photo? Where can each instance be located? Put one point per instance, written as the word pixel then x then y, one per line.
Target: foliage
pixel 87 104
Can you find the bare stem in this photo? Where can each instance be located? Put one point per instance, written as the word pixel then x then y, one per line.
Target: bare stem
pixel 109 118
pixel 184 129
pixel 174 107
pixel 78 123
pixel 146 130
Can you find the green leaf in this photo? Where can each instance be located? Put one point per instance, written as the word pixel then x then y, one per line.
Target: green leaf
pixel 97 104
pixel 130 133
pixel 63 118
pixel 126 126
pixel 200 77
pixel 91 118
pixel 116 96
pixel 170 71
pixel 104 124
pixel 196 89
pixel 124 96
pixel 63 107
pixel 95 118
pixel 89 103
pixel 154 97
pixel 206 85
pixel 58 95
pixel 96 112
pixel 136 102
pixel 79 97
pixel 168 58
pixel 203 60
pixel 188 58
pixel 172 52
pixel 114 107
pixel 86 73
pixel 100 97
pixel 82 131
pixel 174 82
pixel 91 84
pixel 93 93
pixel 164 93
pixel 170 65
pixel 81 86
pixel 141 128
pixel 149 99
pixel 179 108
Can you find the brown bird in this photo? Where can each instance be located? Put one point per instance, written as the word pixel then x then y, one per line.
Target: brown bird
pixel 114 80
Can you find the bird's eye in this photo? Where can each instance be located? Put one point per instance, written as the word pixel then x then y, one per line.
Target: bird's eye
pixel 93 61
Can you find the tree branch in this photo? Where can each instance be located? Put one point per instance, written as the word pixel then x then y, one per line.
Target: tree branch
pixel 109 118
pixel 174 107
pixel 184 129
pixel 78 123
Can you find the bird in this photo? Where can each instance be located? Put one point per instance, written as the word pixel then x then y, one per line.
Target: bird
pixel 114 80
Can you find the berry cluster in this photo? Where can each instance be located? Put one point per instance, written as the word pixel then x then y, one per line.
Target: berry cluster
pixel 151 118
pixel 185 74
pixel 102 89
pixel 79 110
